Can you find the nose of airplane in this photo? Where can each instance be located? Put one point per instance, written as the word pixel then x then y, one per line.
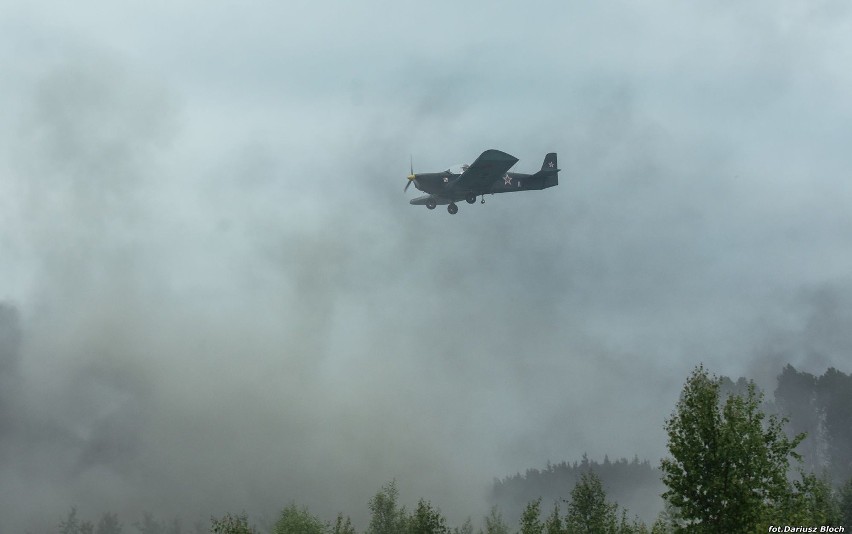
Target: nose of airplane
pixel 411 175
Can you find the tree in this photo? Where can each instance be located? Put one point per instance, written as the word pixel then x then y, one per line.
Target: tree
pixel 232 524
pixel 427 520
pixel 109 524
pixel 796 398
pixel 553 525
pixel 71 525
pixel 588 510
pixel 626 526
pixel 466 528
pixel 531 518
pixel 667 519
pixel 729 462
pixel 294 520
pixel 811 502
pixel 387 517
pixel 834 391
pixel 343 527
pixel 494 523
pixel 637 482
pixel 844 502
pixel 660 526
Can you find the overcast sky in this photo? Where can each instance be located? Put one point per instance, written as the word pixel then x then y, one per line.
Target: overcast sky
pixel 224 301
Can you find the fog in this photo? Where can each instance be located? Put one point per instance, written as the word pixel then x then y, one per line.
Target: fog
pixel 216 296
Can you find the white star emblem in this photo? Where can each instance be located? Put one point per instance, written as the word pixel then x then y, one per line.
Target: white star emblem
pixel 507 179
pixel 550 164
pixel 446 179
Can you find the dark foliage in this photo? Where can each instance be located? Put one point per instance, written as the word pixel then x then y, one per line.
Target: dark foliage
pixel 822 408
pixel 633 483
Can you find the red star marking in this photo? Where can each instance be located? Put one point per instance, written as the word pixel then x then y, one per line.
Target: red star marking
pixel 507 179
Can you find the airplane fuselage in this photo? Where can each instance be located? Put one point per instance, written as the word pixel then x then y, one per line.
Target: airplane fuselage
pixel 444 187
pixel 488 174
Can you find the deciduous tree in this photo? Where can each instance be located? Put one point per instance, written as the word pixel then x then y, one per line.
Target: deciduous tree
pixel 343 526
pixel 71 524
pixel 494 523
pixel 466 528
pixel 232 524
pixel 109 524
pixel 427 519
pixel 295 520
pixel 811 502
pixel 387 517
pixel 729 462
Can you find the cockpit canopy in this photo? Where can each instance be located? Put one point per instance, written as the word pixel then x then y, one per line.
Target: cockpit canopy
pixel 458 169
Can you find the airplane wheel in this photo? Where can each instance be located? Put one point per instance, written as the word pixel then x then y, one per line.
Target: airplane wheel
pixel 471 198
pixel 453 209
pixel 431 204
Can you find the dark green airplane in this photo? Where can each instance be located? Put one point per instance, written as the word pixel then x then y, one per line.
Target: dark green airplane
pixel 488 174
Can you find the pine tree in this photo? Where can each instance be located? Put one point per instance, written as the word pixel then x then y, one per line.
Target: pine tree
pixel 588 510
pixel 531 518
pixel 553 525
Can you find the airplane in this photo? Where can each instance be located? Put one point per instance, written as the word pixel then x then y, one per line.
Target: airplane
pixel 488 174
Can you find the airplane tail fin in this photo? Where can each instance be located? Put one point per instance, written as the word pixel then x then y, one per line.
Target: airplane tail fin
pixel 548 176
pixel 549 162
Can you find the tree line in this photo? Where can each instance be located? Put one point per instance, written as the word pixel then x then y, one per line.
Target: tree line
pixel 820 407
pixel 635 483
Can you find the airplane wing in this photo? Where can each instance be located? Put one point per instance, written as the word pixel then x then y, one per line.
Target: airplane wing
pixel 423 200
pixel 489 167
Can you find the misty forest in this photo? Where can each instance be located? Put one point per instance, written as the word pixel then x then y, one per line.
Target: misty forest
pixel 720 428
pixel 220 311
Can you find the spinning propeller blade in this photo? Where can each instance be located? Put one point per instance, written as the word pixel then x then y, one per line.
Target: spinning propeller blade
pixel 411 176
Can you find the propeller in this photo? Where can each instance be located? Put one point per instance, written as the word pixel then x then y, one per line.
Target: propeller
pixel 411 176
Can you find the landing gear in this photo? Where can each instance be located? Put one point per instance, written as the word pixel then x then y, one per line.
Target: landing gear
pixel 483 199
pixel 452 208
pixel 471 198
pixel 431 204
